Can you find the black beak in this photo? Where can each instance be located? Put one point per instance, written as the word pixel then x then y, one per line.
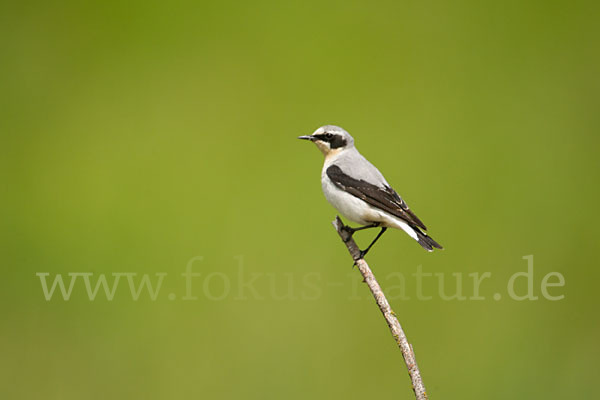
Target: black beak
pixel 309 137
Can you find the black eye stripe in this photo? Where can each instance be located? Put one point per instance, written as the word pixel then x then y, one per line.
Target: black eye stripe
pixel 326 137
pixel 335 141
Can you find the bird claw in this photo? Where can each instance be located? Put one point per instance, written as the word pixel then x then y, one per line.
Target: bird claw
pixel 348 229
pixel 361 256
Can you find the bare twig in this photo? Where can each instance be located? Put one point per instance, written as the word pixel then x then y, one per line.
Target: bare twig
pixel 386 310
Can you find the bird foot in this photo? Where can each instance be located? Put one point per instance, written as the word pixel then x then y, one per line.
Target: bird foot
pixel 348 229
pixel 361 256
pixel 350 232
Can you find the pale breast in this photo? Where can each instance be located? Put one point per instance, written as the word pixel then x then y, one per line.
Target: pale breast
pixel 349 206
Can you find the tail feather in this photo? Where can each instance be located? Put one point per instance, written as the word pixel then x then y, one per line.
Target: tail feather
pixel 425 241
pixel 412 230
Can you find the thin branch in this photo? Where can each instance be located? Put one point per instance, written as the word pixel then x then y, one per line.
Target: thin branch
pixel 386 310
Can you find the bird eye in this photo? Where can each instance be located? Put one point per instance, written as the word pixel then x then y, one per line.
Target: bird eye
pixel 328 135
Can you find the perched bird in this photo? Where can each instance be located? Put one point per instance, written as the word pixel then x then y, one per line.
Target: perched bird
pixel 360 192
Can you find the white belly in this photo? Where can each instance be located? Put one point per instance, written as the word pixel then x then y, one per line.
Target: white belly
pixel 349 206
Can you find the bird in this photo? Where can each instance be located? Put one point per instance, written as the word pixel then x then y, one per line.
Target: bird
pixel 357 189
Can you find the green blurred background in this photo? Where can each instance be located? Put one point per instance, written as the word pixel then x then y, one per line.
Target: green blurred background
pixel 138 135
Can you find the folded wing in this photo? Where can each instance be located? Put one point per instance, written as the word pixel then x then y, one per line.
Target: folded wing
pixel 385 198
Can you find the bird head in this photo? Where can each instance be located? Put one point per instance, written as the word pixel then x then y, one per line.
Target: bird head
pixel 330 139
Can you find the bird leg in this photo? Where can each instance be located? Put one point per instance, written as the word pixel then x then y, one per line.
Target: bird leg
pixel 363 253
pixel 351 230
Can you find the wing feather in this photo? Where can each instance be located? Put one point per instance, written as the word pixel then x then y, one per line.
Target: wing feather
pixel 385 198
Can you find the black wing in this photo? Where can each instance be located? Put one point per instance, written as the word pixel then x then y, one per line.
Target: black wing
pixel 386 199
